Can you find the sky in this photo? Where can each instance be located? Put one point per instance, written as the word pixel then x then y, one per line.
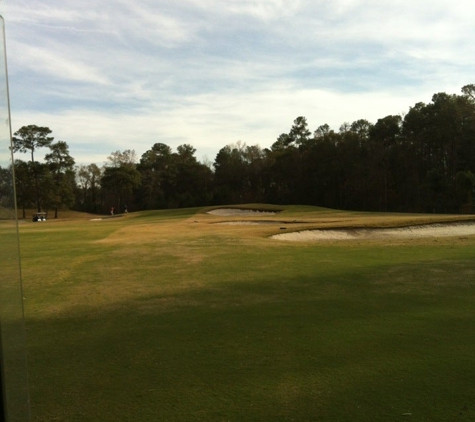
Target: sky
pixel 112 75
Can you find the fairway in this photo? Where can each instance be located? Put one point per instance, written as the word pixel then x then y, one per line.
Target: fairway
pixel 183 315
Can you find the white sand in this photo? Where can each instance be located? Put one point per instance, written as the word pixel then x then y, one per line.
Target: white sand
pixel 431 230
pixel 421 231
pixel 232 212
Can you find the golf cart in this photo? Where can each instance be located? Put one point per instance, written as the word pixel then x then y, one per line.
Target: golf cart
pixel 39 216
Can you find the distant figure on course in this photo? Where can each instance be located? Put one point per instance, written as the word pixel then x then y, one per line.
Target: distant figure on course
pixel 125 209
pixel 112 210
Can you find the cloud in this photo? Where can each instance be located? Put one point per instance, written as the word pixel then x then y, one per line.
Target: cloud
pixel 53 60
pixel 211 121
pixel 110 75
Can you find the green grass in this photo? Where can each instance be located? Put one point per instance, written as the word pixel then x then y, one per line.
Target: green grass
pixel 163 316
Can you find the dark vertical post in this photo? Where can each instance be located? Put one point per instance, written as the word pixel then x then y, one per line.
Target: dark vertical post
pixel 2 394
pixel 14 398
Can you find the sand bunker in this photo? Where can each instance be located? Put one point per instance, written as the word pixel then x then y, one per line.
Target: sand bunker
pixel 249 223
pixel 417 231
pixel 232 212
pixel 430 230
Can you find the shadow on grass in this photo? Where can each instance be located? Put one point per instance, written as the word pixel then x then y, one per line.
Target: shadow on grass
pixel 336 349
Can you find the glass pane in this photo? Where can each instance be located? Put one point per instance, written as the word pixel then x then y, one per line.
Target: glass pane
pixel 14 379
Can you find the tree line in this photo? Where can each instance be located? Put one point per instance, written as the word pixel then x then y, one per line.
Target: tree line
pixel 422 161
